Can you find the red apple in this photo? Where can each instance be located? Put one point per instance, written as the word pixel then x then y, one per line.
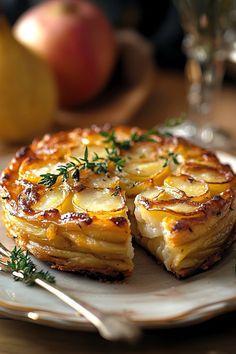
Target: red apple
pixel 77 41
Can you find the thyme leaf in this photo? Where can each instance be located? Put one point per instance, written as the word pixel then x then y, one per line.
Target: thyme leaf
pixel 113 156
pixel 21 262
pixel 48 179
pixel 110 137
pixel 171 156
pixel 145 136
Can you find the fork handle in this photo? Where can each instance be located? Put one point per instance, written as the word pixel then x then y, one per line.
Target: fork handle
pixel 111 327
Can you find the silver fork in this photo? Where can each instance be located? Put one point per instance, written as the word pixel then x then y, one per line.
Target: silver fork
pixel 110 326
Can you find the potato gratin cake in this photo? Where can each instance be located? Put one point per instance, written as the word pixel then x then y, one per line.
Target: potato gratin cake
pixel 74 199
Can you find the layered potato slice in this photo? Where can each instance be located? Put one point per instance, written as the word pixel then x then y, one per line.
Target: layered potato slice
pixel 72 199
pixel 191 232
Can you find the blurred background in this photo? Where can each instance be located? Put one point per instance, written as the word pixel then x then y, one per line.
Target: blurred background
pixel 152 69
pixel 158 21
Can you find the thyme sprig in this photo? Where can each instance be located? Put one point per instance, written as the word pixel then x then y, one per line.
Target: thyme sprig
pixel 113 156
pixel 49 179
pixel 97 165
pixel 110 137
pixel 21 262
pixel 171 156
pixel 147 136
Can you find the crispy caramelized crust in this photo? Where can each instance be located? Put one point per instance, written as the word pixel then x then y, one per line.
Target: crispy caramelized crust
pixel 179 197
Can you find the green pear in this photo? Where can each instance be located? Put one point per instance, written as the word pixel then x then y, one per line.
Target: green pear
pixel 28 95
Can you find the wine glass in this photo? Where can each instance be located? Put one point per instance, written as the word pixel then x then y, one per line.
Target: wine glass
pixel 208 25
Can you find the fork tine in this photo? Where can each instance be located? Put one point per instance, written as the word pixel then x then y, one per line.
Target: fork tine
pixel 4 250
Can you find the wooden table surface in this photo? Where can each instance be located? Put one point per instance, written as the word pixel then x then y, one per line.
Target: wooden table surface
pixel 217 336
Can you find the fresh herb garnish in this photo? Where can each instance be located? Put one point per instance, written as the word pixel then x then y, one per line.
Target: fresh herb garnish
pixel 97 165
pixel 113 156
pixel 111 138
pixel 134 138
pixel 20 262
pixel 145 136
pixel 171 156
pixel 49 179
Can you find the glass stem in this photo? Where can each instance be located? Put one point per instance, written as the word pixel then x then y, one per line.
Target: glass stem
pixel 205 79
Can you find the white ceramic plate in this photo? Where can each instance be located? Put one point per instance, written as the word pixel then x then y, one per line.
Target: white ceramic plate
pixel 151 297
